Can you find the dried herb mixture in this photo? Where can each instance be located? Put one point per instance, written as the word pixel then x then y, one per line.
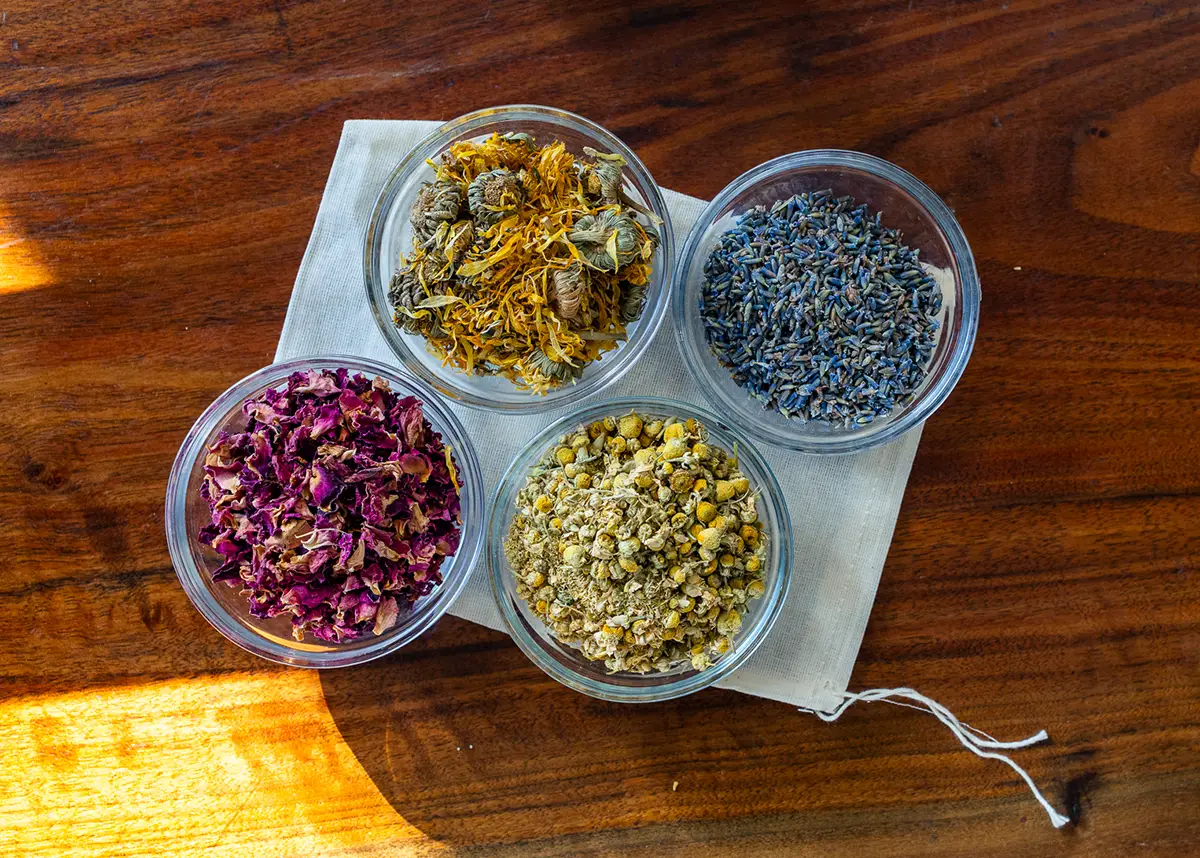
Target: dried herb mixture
pixel 638 542
pixel 527 262
pixel 336 505
pixel 820 311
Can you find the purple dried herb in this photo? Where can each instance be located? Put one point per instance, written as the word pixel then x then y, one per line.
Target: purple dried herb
pixel 336 505
pixel 820 311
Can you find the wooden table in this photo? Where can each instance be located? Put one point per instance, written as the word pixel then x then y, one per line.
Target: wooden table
pixel 161 167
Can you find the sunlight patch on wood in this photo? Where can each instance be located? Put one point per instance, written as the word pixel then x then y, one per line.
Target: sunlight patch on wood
pixel 244 764
pixel 20 267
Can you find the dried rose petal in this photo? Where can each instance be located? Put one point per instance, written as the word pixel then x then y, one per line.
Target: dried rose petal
pixel 336 505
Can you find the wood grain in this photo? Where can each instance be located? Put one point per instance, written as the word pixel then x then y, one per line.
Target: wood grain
pixel 160 167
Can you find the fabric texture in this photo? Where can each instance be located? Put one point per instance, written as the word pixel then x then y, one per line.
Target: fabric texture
pixel 843 508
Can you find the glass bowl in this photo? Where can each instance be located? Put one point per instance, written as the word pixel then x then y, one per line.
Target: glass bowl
pixel 389 235
pixel 224 606
pixel 907 204
pixel 564 662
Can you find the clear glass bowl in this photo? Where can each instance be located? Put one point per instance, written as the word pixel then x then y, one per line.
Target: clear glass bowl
pixel 226 608
pixel 907 204
pixel 389 236
pixel 565 663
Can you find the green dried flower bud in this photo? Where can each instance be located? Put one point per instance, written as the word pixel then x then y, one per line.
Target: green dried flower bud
pixel 608 241
pixel 493 195
pixel 540 362
pixel 567 288
pixel 437 203
pixel 603 177
pixel 633 301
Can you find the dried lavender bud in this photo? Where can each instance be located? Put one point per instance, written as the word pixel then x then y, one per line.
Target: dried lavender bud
pixel 820 311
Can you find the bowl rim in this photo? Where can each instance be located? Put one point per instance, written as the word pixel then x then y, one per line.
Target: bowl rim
pixel 772 601
pixel 454 578
pixel 968 281
pixel 374 278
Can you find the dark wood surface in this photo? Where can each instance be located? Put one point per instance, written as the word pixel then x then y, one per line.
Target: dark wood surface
pixel 160 167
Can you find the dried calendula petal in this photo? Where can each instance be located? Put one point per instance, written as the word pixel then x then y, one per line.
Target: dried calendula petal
pixel 537 276
pixel 614 553
pixel 603 178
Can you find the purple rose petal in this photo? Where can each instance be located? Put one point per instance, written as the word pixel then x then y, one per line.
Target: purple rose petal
pixel 335 506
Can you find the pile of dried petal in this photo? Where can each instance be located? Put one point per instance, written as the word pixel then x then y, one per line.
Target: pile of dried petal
pixel 526 261
pixel 336 505
pixel 638 542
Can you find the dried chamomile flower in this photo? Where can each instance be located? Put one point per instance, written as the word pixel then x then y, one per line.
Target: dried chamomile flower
pixel 620 545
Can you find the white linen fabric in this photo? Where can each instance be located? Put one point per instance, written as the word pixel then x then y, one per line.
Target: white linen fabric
pixel 843 508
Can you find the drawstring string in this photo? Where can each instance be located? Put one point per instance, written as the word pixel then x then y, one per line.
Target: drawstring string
pixel 975 741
